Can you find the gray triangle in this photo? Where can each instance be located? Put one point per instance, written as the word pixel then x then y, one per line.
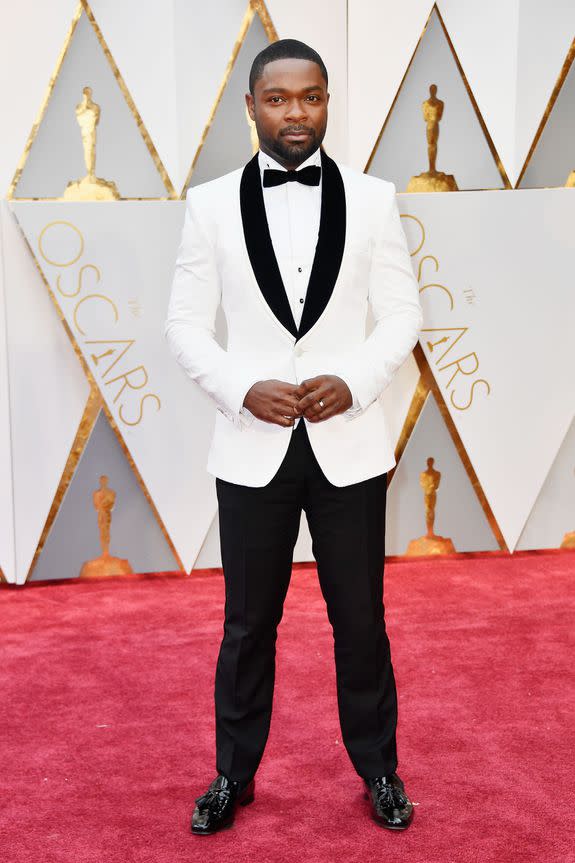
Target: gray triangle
pixel 74 537
pixel 554 156
pixel 462 147
pixel 553 514
pixel 56 155
pixel 458 513
pixel 228 143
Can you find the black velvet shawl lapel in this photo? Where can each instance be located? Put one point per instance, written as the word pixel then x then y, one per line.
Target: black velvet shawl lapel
pixel 259 245
pixel 328 253
pixel 330 245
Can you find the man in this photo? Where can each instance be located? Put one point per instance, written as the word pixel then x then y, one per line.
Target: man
pixel 296 248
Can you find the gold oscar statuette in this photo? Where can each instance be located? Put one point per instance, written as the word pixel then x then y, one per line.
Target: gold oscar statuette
pixel 569 540
pixel 90 187
pixel 253 133
pixel 570 184
pixel 103 499
pixel 430 543
pixel 432 180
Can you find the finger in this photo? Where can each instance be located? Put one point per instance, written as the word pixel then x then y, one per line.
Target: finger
pixel 317 411
pixel 282 420
pixel 295 391
pixel 314 397
pixel 310 398
pixel 321 415
pixel 289 406
pixel 311 384
pixel 277 416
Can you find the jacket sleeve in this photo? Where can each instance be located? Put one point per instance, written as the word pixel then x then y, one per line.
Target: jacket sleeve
pixel 189 327
pixel 394 300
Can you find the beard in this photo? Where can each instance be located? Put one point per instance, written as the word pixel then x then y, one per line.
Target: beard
pixel 293 153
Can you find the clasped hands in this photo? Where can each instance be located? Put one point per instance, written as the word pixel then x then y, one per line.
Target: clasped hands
pixel 282 403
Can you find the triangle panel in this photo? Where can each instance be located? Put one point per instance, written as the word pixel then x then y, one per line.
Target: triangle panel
pixel 110 267
pixel 74 538
pixel 7 548
pixel 463 151
pixel 552 162
pixel 552 518
pixel 545 40
pixel 47 397
pixel 57 152
pixel 228 144
pixel 458 512
pixel 497 358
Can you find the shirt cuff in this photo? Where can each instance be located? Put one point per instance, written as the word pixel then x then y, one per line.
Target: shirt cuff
pixel 355 408
pixel 246 417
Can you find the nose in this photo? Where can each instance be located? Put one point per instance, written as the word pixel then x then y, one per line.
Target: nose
pixel 295 111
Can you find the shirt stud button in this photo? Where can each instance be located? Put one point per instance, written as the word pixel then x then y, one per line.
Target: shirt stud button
pixel 301 299
pixel 299 269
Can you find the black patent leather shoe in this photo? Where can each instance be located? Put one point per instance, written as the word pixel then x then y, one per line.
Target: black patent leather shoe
pixel 216 808
pixel 390 805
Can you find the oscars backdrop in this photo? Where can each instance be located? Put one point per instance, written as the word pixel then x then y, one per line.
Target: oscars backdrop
pixel 467 107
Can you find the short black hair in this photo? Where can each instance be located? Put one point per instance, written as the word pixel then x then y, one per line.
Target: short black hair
pixel 284 49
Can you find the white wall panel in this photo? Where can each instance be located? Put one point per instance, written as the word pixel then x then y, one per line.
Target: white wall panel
pixel 553 157
pixel 546 30
pixel 48 392
pixel 174 67
pixel 7 550
pixel 497 332
pixel 382 36
pixel 111 267
pixel 31 37
pixel 553 514
pixel 484 36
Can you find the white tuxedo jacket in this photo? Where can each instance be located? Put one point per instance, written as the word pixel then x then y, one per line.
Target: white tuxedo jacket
pixel 226 257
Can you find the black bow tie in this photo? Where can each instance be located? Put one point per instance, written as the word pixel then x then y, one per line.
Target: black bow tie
pixel 309 176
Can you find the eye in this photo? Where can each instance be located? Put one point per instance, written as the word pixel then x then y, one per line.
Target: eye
pixel 314 97
pixel 276 99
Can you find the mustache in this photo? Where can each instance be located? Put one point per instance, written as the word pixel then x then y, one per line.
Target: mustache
pixel 289 129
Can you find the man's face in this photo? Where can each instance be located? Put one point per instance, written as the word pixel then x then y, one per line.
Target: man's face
pixel 289 107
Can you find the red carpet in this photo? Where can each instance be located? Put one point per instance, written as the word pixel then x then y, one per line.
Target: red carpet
pixel 107 731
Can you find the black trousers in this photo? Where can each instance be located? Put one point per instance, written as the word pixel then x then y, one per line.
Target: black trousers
pixel 258 531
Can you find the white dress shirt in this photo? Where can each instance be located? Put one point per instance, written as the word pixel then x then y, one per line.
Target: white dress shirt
pixel 293 213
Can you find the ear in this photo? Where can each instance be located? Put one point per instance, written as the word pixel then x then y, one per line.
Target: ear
pixel 250 106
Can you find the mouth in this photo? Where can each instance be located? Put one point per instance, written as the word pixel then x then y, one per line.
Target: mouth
pixel 300 135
